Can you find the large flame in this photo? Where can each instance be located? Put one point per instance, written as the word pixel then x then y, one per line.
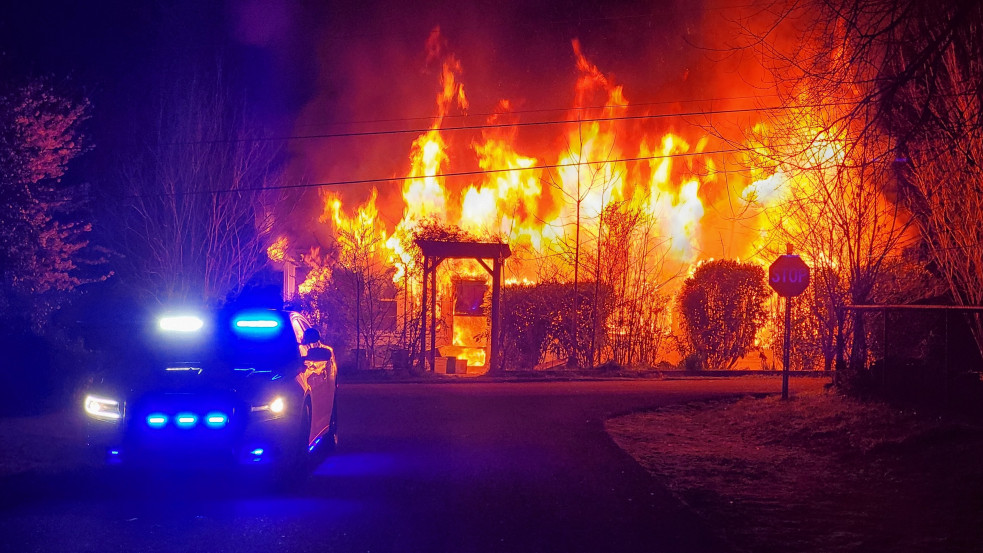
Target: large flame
pixel 560 196
pixel 541 204
pixel 423 189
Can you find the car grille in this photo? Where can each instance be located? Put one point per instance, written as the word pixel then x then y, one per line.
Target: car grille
pixel 185 422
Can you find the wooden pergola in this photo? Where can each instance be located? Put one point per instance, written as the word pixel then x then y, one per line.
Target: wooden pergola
pixel 434 253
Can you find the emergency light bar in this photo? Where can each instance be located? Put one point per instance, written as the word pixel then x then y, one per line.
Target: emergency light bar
pixel 183 323
pixel 258 323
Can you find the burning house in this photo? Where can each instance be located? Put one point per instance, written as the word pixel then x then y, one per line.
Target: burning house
pixel 621 202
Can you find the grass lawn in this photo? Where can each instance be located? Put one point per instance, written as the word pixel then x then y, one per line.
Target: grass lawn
pixel 817 473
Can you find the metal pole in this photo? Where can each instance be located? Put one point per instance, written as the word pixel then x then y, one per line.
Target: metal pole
pixel 788 340
pixel 788 334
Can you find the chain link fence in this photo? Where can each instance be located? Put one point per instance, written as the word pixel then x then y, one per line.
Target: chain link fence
pixel 922 355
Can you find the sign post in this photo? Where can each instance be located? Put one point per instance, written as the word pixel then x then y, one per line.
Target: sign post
pixel 789 276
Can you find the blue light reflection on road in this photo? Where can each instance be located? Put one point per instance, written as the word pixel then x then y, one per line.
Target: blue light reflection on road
pixel 291 507
pixel 357 464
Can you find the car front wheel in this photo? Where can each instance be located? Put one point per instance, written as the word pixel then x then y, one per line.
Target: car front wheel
pixel 295 458
pixel 332 438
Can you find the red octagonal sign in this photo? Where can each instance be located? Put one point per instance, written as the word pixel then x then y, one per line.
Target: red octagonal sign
pixel 789 276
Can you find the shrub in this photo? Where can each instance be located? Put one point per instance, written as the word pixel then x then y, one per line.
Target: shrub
pixel 722 306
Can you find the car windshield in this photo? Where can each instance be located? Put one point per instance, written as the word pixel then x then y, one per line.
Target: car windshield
pixel 261 340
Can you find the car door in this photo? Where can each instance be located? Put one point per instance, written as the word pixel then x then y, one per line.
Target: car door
pixel 319 379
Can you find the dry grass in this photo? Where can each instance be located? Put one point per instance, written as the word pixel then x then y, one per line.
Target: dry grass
pixel 50 443
pixel 817 473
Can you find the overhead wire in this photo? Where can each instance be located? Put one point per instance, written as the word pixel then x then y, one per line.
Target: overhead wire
pixel 515 124
pixel 379 180
pixel 712 100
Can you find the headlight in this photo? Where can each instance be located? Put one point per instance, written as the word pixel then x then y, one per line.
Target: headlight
pixel 102 408
pixel 276 407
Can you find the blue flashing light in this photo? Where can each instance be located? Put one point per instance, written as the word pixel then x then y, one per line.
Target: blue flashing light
pixel 186 420
pixel 257 323
pixel 114 452
pixel 216 420
pixel 313 446
pixel 255 456
pixel 156 420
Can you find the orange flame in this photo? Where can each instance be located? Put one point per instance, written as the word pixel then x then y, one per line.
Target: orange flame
pixel 544 202
pixel 277 251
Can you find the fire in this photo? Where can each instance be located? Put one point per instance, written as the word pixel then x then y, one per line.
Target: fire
pixel 589 171
pixel 679 209
pixel 467 342
pixel 475 357
pixel 508 198
pixel 277 251
pixel 319 275
pixel 359 235
pixel 423 190
pixel 554 200
pixel 809 156
pixel 541 204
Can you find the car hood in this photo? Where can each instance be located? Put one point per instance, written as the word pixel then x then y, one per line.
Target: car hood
pixel 188 378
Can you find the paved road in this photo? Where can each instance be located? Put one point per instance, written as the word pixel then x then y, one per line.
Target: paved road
pixel 445 467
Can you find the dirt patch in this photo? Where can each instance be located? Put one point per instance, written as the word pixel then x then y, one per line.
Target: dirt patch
pixel 818 473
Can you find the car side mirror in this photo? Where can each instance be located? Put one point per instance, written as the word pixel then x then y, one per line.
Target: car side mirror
pixel 311 336
pixel 318 354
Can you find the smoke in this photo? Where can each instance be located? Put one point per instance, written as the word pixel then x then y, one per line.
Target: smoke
pixel 376 67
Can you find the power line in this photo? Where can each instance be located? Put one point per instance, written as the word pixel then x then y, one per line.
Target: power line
pixel 520 124
pixel 720 99
pixel 517 124
pixel 379 180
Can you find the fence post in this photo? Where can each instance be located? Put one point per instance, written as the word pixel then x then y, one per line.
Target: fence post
pixel 884 364
pixel 945 361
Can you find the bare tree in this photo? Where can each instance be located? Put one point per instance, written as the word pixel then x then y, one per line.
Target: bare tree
pixel 366 281
pixel 197 216
pixel 634 270
pixel 938 117
pixel 831 147
pixel 589 177
pixel 836 210
pixel 409 320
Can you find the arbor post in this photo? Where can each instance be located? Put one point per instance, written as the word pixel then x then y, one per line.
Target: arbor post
pixel 496 312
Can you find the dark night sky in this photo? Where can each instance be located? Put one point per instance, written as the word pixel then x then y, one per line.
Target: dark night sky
pixel 118 53
pixel 356 55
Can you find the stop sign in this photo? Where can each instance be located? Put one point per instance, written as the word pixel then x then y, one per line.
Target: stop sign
pixel 788 275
